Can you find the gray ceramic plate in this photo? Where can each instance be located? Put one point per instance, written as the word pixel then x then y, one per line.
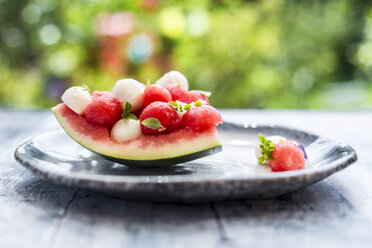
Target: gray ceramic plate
pixel 231 174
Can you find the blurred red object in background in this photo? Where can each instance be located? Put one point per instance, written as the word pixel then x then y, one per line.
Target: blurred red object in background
pixel 113 31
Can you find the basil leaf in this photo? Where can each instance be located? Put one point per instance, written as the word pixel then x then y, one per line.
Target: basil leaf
pixel 173 104
pixel 153 123
pixel 132 116
pixel 128 107
pixel 187 107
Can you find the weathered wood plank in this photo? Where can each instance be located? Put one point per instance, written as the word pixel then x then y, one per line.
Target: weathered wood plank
pixel 317 215
pixel 100 221
pixel 31 209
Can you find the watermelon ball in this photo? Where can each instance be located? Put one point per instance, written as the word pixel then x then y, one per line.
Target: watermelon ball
pixel 274 139
pixel 175 78
pixel 97 93
pixel 201 118
pixel 178 93
pixel 156 93
pixel 103 110
pixel 162 111
pixel 287 156
pixel 194 95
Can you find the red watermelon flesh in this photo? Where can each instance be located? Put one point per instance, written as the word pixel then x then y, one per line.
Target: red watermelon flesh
pixel 194 95
pixel 162 111
pixel 103 109
pixel 178 93
pixel 146 147
pixel 287 156
pixel 201 118
pixel 156 93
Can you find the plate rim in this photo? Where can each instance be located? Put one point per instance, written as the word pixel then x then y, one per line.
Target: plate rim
pixel 116 180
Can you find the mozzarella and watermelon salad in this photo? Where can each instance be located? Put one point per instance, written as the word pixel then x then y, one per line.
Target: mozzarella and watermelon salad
pixel 280 154
pixel 136 124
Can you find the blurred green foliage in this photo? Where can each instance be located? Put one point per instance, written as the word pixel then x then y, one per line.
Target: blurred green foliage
pixel 257 54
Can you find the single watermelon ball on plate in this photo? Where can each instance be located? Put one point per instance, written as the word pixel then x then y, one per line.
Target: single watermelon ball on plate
pixel 103 109
pixel 156 93
pixel 281 154
pixel 201 118
pixel 287 156
pixel 273 139
pixel 159 117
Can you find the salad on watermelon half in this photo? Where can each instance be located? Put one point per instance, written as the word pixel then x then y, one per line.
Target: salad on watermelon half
pixel 142 125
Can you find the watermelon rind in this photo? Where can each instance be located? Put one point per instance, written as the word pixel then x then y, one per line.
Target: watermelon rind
pixel 134 154
pixel 165 161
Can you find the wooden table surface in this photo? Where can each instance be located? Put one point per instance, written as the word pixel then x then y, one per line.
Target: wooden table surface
pixel 336 212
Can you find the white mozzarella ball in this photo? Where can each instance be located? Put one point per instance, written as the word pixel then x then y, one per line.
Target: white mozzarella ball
pixel 174 77
pixel 129 90
pixel 77 99
pixel 275 139
pixel 126 130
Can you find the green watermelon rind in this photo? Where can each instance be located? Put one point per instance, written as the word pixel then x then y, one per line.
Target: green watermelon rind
pixel 165 155
pixel 166 161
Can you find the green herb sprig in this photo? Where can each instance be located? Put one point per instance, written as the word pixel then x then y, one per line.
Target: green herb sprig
pixel 180 107
pixel 85 87
pixel 126 113
pixel 267 149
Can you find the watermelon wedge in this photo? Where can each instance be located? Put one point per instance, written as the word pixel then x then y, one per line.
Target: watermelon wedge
pixel 147 150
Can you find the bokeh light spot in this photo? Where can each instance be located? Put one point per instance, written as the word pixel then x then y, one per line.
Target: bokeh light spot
pixel 365 54
pixel 172 22
pixel 13 36
pixel 63 62
pixel 46 5
pixel 114 24
pixel 140 48
pixel 302 80
pixel 50 34
pixel 31 13
pixel 197 23
pixel 368 28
